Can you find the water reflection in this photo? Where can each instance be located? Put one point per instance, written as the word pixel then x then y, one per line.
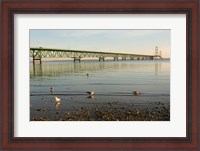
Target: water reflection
pixel 157 68
pixel 36 70
pixel 91 97
pixel 52 69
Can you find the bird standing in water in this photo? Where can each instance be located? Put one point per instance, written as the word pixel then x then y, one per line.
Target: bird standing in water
pixel 57 102
pixel 51 89
pixel 136 92
pixel 90 93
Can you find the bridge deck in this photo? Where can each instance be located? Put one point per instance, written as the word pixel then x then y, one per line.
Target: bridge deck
pixel 39 53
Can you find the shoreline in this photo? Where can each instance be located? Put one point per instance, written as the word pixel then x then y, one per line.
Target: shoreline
pixel 110 111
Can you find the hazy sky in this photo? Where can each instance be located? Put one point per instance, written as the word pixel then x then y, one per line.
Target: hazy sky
pixel 123 41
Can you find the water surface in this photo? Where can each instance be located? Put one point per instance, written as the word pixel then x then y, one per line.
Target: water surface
pixel 111 81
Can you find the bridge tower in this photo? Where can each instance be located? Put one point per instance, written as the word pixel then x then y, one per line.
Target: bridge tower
pixel 156 51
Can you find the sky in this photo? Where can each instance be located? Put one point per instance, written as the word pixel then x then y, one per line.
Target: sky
pixel 119 41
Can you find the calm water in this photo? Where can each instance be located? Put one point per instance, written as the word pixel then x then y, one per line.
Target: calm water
pixel 111 80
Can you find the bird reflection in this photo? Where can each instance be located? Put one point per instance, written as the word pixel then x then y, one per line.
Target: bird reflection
pixel 57 104
pixel 91 97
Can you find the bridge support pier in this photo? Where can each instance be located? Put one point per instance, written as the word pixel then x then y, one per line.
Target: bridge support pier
pixel 101 58
pixel 123 58
pixel 34 60
pixel 151 58
pixel 77 59
pixel 115 58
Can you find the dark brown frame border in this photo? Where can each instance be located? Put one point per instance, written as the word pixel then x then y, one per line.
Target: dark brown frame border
pixel 11 7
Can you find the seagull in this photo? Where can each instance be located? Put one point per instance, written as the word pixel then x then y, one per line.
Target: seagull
pixel 51 89
pixel 57 104
pixel 57 99
pixel 137 111
pixel 136 92
pixel 90 92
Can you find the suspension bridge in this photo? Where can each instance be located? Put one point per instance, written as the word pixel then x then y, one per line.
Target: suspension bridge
pixel 77 55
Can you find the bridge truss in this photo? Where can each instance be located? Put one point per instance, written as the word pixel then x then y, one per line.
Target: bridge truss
pixel 39 53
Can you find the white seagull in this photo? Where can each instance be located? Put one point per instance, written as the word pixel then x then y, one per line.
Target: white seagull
pixel 137 111
pixel 136 92
pixel 57 104
pixel 90 92
pixel 57 99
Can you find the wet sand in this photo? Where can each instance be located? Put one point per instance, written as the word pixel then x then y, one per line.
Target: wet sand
pixel 92 109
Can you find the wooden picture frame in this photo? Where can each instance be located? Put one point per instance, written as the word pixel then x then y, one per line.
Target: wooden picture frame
pixel 12 7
